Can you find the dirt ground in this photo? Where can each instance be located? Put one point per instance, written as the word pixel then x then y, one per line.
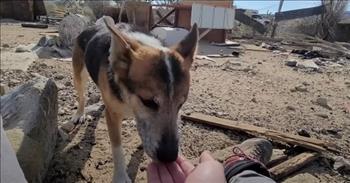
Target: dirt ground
pixel 257 88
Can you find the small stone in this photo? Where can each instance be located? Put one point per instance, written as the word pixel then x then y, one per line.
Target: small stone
pixel 59 77
pixel 306 83
pixel 35 74
pixel 323 103
pixel 259 62
pixel 68 83
pixel 308 64
pixel 304 133
pixel 5 45
pixel 341 164
pixel 322 115
pixel 299 88
pixel 142 169
pixel 21 48
pixel 93 98
pixel 14 81
pixel 291 108
pixel 291 63
pixel 68 126
pixel 254 100
pixel 333 131
pixel 348 97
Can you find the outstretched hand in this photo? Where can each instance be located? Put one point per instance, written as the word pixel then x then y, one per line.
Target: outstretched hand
pixel 208 170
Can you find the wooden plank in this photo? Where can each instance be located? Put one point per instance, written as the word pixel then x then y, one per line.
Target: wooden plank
pixel 163 18
pixel 247 20
pixel 293 14
pixel 308 143
pixel 290 166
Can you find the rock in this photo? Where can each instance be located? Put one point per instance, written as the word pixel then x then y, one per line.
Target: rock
pixel 254 100
pixel 333 131
pixel 341 164
pixel 30 120
pixel 259 62
pixel 3 89
pixel 322 115
pixel 323 103
pixel 59 77
pixel 299 88
pixel 305 83
pixel 348 97
pixel 21 48
pixel 94 110
pixel 17 61
pixel 93 98
pixel 5 45
pixel 14 81
pixel 302 178
pixel 291 63
pixel 70 27
pixel 304 133
pixel 308 64
pixel 291 108
pixel 68 83
pixel 68 126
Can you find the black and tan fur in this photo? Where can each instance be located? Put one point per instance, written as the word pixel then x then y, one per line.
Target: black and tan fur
pixel 149 81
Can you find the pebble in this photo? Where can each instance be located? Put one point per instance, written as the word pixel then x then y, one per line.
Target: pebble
pixel 93 98
pixel 341 164
pixel 5 45
pixel 291 108
pixel 322 115
pixel 305 83
pixel 304 133
pixel 291 63
pixel 323 103
pixel 21 48
pixel 299 88
pixel 14 81
pixel 68 83
pixel 254 100
pixel 68 126
pixel 333 131
pixel 259 62
pixel 59 77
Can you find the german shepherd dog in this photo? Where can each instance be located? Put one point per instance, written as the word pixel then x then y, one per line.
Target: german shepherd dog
pixel 136 74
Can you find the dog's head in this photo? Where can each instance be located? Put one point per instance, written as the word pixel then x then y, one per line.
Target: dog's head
pixel 157 82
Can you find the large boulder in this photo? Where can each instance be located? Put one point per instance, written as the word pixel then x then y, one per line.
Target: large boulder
pixel 30 122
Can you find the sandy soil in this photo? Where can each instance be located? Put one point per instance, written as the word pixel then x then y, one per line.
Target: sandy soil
pixel 259 91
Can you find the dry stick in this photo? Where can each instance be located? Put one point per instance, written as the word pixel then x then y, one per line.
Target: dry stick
pixel 286 168
pixel 308 143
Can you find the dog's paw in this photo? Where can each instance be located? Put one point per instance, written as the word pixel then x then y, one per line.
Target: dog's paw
pixel 78 118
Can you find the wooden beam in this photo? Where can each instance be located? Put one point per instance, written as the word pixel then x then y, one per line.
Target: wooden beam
pixel 293 14
pixel 247 20
pixel 290 166
pixel 163 18
pixel 308 143
pixel 160 16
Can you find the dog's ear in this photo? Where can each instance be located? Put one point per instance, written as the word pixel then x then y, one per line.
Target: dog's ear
pixel 188 46
pixel 121 50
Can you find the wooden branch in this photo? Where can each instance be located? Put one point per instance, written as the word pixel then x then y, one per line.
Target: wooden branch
pixel 290 166
pixel 35 25
pixel 293 14
pixel 308 143
pixel 165 16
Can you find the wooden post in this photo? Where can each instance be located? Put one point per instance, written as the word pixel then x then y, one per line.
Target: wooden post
pixel 275 22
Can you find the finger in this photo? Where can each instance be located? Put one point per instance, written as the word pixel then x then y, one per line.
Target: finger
pixel 206 156
pixel 176 172
pixel 164 174
pixel 185 165
pixel 152 173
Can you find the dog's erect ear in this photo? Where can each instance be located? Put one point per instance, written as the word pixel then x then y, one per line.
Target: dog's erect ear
pixel 188 46
pixel 121 48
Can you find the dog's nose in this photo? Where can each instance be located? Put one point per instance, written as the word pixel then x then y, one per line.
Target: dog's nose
pixel 167 148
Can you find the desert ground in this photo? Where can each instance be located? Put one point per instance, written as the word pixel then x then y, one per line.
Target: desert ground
pixel 256 88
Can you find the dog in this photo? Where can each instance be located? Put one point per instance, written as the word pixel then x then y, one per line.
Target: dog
pixel 135 74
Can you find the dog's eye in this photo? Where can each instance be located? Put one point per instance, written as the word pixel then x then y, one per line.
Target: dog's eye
pixel 150 103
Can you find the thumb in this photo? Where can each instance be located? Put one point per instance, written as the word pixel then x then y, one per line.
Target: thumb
pixel 206 156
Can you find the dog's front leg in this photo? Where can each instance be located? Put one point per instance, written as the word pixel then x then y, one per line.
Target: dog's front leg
pixel 114 129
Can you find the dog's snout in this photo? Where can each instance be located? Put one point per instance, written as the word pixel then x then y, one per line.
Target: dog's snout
pixel 167 148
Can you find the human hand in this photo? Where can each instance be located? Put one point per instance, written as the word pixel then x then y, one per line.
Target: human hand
pixel 208 171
